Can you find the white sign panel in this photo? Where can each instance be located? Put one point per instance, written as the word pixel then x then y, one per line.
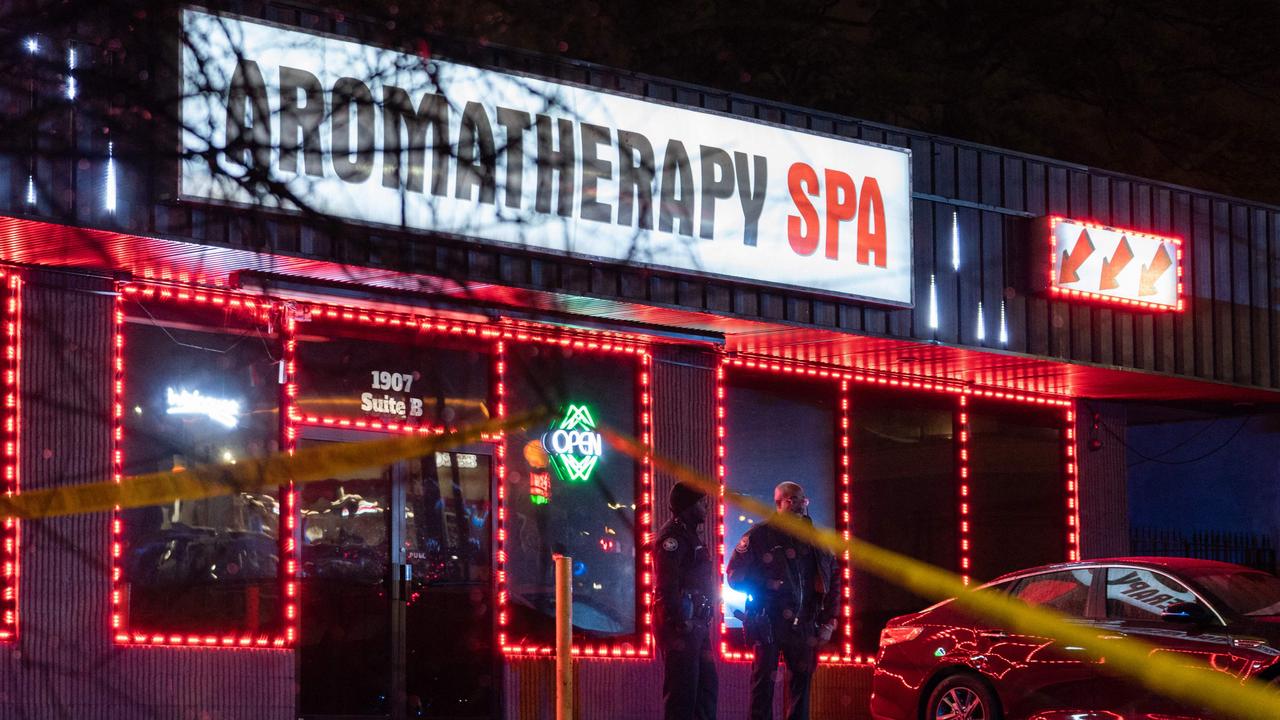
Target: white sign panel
pixel 368 134
pixel 1125 267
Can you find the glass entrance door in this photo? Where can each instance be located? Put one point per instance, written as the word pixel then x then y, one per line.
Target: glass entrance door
pixel 396 583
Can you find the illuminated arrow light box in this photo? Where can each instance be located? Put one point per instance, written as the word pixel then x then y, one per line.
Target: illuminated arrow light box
pixel 1130 268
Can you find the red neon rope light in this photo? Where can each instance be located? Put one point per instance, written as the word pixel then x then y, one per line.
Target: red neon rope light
pixel 846 515
pixel 1073 486
pixel 962 392
pixel 499 337
pixel 289 534
pixel 12 435
pixel 260 310
pixel 844 499
pixel 1132 303
pixel 962 488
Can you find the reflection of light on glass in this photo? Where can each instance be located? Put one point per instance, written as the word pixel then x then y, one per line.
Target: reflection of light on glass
pixel 190 402
pixel 733 600
pixel 365 507
pixel 137 409
pixel 33 45
pixel 466 461
pixel 227 457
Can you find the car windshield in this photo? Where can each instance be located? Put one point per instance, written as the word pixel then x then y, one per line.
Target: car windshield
pixel 1247 593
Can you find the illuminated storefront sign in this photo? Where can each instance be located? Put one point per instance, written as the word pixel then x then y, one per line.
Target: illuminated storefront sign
pixel 573 445
pixel 1124 267
pixel 223 411
pixel 539 487
pixel 378 136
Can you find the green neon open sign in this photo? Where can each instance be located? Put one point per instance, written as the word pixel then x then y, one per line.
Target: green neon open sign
pixel 573 445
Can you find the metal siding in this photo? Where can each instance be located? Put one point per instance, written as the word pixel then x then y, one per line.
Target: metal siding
pixel 1103 477
pixel 1221 289
pixel 1259 289
pixel 1226 333
pixel 66 664
pixel 1122 321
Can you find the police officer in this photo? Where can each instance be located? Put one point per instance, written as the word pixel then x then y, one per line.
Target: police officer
pixel 684 606
pixel 794 591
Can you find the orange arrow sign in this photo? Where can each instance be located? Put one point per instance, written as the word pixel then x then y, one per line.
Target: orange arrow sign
pixel 1151 273
pixel 1072 262
pixel 1112 267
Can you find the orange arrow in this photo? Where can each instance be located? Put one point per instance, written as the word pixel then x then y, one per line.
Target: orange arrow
pixel 1111 268
pixel 1072 262
pixel 1150 273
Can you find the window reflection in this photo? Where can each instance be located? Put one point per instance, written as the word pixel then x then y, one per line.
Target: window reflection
pixel 1018 501
pixel 904 495
pixel 199 388
pixel 344 658
pixel 778 429
pixel 591 520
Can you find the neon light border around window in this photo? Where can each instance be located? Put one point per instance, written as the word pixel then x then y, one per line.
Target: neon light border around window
pixel 262 310
pixel 11 534
pixel 844 497
pixel 499 336
pixel 909 383
pixel 616 649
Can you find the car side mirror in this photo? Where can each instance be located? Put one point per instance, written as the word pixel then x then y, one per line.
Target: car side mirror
pixel 1187 613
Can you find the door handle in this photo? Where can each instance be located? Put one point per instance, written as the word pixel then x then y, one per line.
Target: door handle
pixel 406 572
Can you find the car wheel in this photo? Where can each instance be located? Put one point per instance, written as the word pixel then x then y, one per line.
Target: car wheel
pixel 962 697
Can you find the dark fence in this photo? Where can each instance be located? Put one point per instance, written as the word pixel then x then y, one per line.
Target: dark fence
pixel 1248 549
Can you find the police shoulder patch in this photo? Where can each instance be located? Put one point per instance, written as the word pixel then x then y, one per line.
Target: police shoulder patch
pixel 743 544
pixel 670 544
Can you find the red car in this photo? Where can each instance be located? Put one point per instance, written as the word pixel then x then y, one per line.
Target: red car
pixel 941 664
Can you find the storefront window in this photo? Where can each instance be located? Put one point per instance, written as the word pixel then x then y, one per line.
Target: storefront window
pixel 200 387
pixel 1017 488
pixel 777 429
pixel 567 493
pixel 904 495
pixel 381 374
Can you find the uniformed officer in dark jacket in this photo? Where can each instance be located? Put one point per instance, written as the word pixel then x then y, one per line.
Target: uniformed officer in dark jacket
pixel 794 591
pixel 684 606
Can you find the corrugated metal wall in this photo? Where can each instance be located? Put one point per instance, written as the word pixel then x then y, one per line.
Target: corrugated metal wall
pixel 1104 478
pixel 65 664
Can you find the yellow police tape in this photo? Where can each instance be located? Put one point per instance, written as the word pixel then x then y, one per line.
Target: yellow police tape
pixel 310 464
pixel 1175 676
pixel 1179 677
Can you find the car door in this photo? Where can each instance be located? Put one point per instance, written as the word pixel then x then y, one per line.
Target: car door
pixel 1036 674
pixel 1134 598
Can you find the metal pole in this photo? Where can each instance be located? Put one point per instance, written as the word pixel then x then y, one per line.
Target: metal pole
pixel 564 638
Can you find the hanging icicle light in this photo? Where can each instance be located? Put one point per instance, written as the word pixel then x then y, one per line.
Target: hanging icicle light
pixel 933 302
pixel 111 178
pixel 71 79
pixel 955 242
pixel 982 325
pixel 1004 327
pixel 31 190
